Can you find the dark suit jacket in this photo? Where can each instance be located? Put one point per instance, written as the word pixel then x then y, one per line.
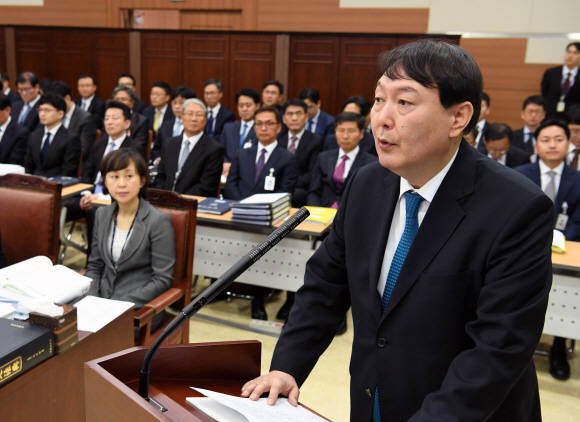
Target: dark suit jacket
pixel 139 131
pixel 92 165
pixel 150 111
pixel 139 106
pixel 63 156
pixel 96 108
pixel 201 171
pixel 14 97
pixel 224 116
pixel 456 340
pixel 552 91
pixel 31 122
pixel 480 143
pixel 518 141
pixel 322 191
pixel 325 125
pixel 513 158
pixel 230 139
pixel 366 144
pixel 83 126
pixel 568 191
pixel 14 144
pixel 240 183
pixel 165 132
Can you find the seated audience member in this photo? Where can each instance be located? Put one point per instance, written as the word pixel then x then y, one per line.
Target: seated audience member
pixel 217 115
pixel 88 101
pixel 139 129
pixel 497 145
pixel 533 112
pixel 126 79
pixel 272 93
pixel 5 83
pixel 13 137
pixel 173 126
pixel 482 122
pixel 117 121
pixel 304 144
pixel 562 184
pixel 52 150
pixel 79 123
pixel 133 251
pixel 3 262
pixel 319 122
pixel 334 167
pixel 240 134
pixel 573 115
pixel 560 85
pixel 191 163
pixel 159 110
pixel 471 137
pixel 25 112
pixel 362 106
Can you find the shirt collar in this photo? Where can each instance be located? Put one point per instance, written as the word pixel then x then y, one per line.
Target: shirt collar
pixel 573 72
pixel 7 91
pixel 88 100
pixel 5 125
pixel 53 130
pixel 269 148
pixel 31 104
pixel 315 118
pixel 117 141
pixel 215 110
pixel 298 136
pixel 249 123
pixel 480 124
pixel 69 113
pixel 192 140
pixel 351 155
pixel 544 168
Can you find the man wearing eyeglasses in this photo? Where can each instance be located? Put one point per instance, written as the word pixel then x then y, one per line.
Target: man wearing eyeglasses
pixel 191 163
pixel 497 143
pixel 26 112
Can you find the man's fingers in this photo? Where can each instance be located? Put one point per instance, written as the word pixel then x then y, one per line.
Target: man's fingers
pixel 293 395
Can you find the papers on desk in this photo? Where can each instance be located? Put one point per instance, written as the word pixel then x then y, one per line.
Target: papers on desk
pixel 559 242
pixel 226 408
pixel 11 168
pixel 93 313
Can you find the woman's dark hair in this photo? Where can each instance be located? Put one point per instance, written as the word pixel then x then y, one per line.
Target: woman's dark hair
pixel 119 160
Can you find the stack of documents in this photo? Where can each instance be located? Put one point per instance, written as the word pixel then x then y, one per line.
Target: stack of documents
pixel 263 209
pixel 320 215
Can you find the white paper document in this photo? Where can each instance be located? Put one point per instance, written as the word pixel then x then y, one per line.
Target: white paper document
pixel 93 313
pixel 247 410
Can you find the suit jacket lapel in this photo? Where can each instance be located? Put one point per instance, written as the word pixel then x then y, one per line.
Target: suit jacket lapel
pixel 54 142
pixel 74 120
pixel 564 187
pixel 137 234
pixel 193 156
pixel 271 163
pixel 104 244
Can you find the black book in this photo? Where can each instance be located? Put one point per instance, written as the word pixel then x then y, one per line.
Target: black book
pixel 23 346
pixel 214 206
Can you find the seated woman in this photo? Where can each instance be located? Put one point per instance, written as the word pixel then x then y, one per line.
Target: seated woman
pixel 133 250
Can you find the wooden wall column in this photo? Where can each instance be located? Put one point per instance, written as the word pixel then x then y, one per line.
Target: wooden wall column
pixel 135 58
pixel 282 61
pixel 10 50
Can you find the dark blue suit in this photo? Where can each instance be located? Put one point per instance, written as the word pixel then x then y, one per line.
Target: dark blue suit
pixel 224 116
pixel 480 144
pixel 31 122
pixel 568 191
pixel 241 184
pixel 14 144
pixel 230 139
pixel 139 106
pixel 14 97
pixel 325 125
pixel 165 132
pixel 97 108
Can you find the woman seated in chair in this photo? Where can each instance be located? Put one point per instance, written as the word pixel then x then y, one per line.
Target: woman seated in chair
pixel 133 250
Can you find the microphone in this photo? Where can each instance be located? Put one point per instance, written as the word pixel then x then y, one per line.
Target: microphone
pixel 213 290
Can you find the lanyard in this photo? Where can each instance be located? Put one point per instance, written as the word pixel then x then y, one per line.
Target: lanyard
pixel 113 239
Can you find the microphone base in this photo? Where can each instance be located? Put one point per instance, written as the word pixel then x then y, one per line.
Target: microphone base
pixel 156 404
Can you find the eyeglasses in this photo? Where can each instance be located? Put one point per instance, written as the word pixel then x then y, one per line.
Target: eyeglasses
pixel 497 151
pixel 190 114
pixel 268 124
pixel 27 90
pixel 348 131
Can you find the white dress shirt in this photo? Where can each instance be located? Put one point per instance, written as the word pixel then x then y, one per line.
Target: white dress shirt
pixel 214 112
pixel 4 126
pixel 572 72
pixel 545 177
pixel 192 142
pixel 116 145
pixel 52 133
pixel 500 160
pixel 527 133
pixel 348 163
pixel 298 137
pixel 68 116
pixel 178 124
pixel 479 126
pixel 428 192
pixel 87 102
pixel 162 115
pixel 7 91
pixel 269 149
pixel 250 124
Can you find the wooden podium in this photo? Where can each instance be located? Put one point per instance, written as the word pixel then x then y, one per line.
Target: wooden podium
pixel 111 383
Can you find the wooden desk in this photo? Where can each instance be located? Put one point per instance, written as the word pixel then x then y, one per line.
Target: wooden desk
pixel 75 189
pixel 54 390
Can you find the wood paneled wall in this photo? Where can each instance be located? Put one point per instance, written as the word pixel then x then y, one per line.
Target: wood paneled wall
pixel 70 13
pixel 3 64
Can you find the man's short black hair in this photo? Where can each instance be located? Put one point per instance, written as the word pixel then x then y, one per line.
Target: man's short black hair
pixel 485 97
pixel 163 85
pixel 27 76
pixel 88 75
pixel 61 88
pixel 534 99
pixel 552 122
pixel 121 159
pixel 270 109
pixel 496 131
pixel 573 114
pixel 275 83
pixel 347 116
pixel 122 106
pixel 361 102
pixel 217 83
pixel 4 101
pixel 54 99
pixel 183 92
pixel 575 44
pixel 127 75
pixel 126 89
pixel 3 77
pixel 248 92
pixel 311 94
pixel 295 102
pixel 45 85
pixel 441 65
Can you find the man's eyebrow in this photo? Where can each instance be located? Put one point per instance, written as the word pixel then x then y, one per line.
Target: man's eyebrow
pixel 407 89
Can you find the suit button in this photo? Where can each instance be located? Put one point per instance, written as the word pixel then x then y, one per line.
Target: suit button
pixel 382 342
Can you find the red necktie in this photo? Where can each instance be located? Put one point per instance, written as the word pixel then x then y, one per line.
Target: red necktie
pixel 566 86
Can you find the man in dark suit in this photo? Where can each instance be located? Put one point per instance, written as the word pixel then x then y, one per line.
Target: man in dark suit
pixel 139 129
pixel 533 112
pixel 272 93
pixel 159 111
pixel 482 123
pixel 573 156
pixel 88 101
pixel 240 134
pixel 191 164
pixel 319 122
pixel 562 184
pixel 128 80
pixel 302 143
pixel 497 145
pixel 25 112
pixel 560 86
pixel 443 255
pixel 79 123
pixel 52 150
pixel 217 115
pixel 13 137
pixel 5 82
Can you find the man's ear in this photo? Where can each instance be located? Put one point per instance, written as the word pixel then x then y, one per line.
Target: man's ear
pixel 462 114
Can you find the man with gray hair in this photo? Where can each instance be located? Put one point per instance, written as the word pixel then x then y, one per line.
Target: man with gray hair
pixel 138 130
pixel 191 163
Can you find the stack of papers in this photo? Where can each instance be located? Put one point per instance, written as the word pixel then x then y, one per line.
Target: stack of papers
pixel 264 209
pixel 320 215
pixel 559 242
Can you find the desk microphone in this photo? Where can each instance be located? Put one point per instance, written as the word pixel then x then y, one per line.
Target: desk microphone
pixel 212 291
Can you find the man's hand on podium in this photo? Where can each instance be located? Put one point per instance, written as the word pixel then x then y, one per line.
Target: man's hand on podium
pixel 276 383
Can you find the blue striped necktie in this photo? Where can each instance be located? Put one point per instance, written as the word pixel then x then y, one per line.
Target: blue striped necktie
pixel 412 201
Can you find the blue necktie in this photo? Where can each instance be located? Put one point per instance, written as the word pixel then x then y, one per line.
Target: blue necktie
pixel 99 185
pixel 178 128
pixel 45 147
pixel 243 135
pixel 412 201
pixel 26 110
pixel 210 123
pixel 309 127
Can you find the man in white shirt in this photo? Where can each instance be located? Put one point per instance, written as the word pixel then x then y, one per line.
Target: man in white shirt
pixel 560 85
pixel 88 100
pixel 159 111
